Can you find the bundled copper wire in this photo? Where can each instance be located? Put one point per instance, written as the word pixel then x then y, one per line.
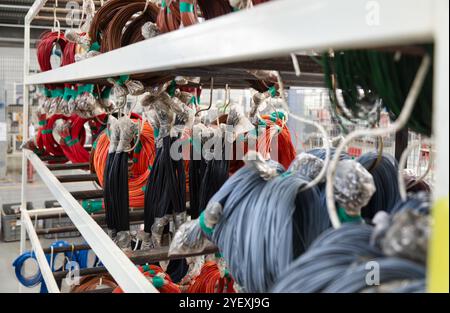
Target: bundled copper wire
pixel 133 32
pixel 256 2
pixel 103 16
pixel 211 9
pixel 114 31
pixel 161 20
pixel 173 15
pixel 188 12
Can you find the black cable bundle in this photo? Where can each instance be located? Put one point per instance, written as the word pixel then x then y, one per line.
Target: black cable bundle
pixel 119 189
pixel 214 176
pixel 114 135
pixel 384 171
pixel 197 167
pixel 337 262
pixel 166 186
pixel 118 182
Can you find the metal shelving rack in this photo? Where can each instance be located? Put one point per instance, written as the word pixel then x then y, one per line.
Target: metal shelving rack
pixel 271 30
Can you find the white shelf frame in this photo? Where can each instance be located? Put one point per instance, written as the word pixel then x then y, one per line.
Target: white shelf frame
pixel 269 30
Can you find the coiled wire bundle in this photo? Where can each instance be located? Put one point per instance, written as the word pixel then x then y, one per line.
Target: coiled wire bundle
pixel 384 170
pixel 340 261
pixel 264 225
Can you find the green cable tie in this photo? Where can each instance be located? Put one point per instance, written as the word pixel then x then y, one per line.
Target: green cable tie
pixel 138 148
pixel 135 160
pixel 345 218
pixel 207 230
pixel 68 139
pixel 286 174
pixel 122 79
pixel 150 167
pixel 158 282
pixel 42 122
pixel 186 7
pixel 144 188
pixel 57 93
pixel 46 92
pixel 106 93
pixel 272 91
pixel 73 142
pixel 163 4
pixel 92 206
pixel 95 47
pixel 172 88
pixel 47 131
pixel 94 145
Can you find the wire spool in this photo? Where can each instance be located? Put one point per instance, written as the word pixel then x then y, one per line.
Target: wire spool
pixel 142 158
pixel 210 280
pixel 384 171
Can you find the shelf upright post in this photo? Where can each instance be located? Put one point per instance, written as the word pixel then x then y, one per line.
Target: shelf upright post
pixel 438 271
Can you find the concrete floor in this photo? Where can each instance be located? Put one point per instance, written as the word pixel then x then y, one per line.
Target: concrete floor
pixel 37 193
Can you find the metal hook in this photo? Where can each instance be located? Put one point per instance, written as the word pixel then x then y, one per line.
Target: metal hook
pixel 402 165
pixel 227 98
pixel 380 149
pixel 210 98
pixel 296 64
